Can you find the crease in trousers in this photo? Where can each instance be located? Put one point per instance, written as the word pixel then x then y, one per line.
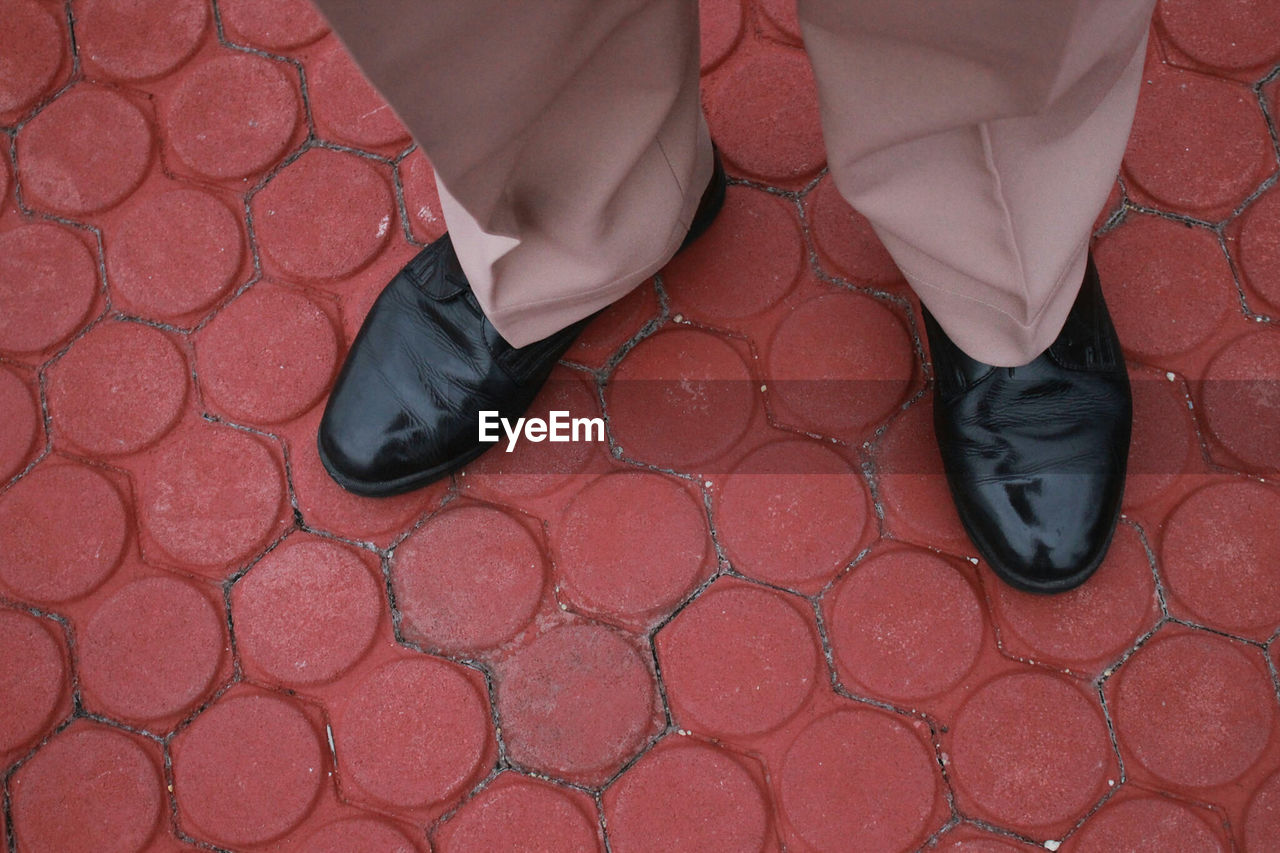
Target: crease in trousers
pixel 979 137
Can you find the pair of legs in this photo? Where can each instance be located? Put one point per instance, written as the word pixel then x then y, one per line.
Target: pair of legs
pixel 979 137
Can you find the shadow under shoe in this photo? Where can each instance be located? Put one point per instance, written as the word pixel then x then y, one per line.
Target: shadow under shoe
pixel 405 408
pixel 1035 456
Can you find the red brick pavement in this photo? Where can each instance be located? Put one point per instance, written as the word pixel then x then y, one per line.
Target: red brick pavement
pixel 750 623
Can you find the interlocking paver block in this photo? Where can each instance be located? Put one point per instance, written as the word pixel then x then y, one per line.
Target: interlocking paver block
pixel 132 40
pixel 48 282
pixel 516 812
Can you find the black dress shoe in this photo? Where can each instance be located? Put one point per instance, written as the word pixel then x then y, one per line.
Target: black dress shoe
pixel 404 410
pixel 1035 456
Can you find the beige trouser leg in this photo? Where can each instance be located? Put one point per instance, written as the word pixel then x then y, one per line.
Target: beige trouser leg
pixel 567 139
pixel 981 139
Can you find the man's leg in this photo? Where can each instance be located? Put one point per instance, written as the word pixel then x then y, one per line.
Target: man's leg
pixel 981 139
pixel 572 161
pixel 567 139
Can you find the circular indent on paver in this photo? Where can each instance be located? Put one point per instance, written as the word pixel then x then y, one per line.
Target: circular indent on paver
pixel 1225 35
pixel 151 649
pixel 211 495
pixel 1099 619
pixel 1194 710
pixel 1259 250
pixel 846 237
pixel 1046 728
pixel 306 612
pixel 520 815
pixel 1241 393
pixel 739 660
pixel 720 27
pixel 777 87
pixel 687 797
pixel 118 389
pixel 359 835
pixel 839 364
pixel 268 356
pixel 325 215
pixel 174 253
pixel 1164 442
pixel 858 774
pixel 421 197
pixel 62 530
pixel 906 624
pixel 468 579
pixel 90 789
pixel 1219 555
pixel 274 24
pixel 647 556
pixel 19 423
pixel 1199 143
pixel 1262 821
pixel 1168 286
pixel 48 280
pixel 1149 823
pixel 84 152
pixel 749 258
pixel 344 102
pixel 247 770
pixel 578 701
pixel 33 672
pixel 232 116
pixel 791 512
pixel 136 40
pixel 30 53
pixel 680 398
pixel 408 752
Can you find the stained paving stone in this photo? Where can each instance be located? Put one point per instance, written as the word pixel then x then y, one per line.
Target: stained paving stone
pixel 773 86
pixel 88 150
pixel 130 40
pixel 141 381
pixel 64 527
pixel 904 624
pixel 91 788
pixel 1214 693
pixel 346 107
pixel 173 253
pixel 208 582
pixel 35 674
pixel 152 651
pixel 1217 555
pixel 792 513
pixel 32 52
pixel 577 702
pixel 468 579
pixel 404 753
pixel 614 572
pixel 836 777
pixel 303 228
pixel 232 116
pixel 247 770
pixel 272 24
pixel 48 282
pixel 686 795
pixel 516 812
pixel 20 422
pixel 740 660
pixel 267 357
pixel 1239 401
pixel 306 612
pixel 1149 822
pixel 1048 728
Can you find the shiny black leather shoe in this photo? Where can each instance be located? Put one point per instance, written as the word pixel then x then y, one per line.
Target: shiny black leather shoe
pixel 404 410
pixel 1035 456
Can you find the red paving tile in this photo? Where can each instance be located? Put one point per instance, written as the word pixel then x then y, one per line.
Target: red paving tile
pixel 748 621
